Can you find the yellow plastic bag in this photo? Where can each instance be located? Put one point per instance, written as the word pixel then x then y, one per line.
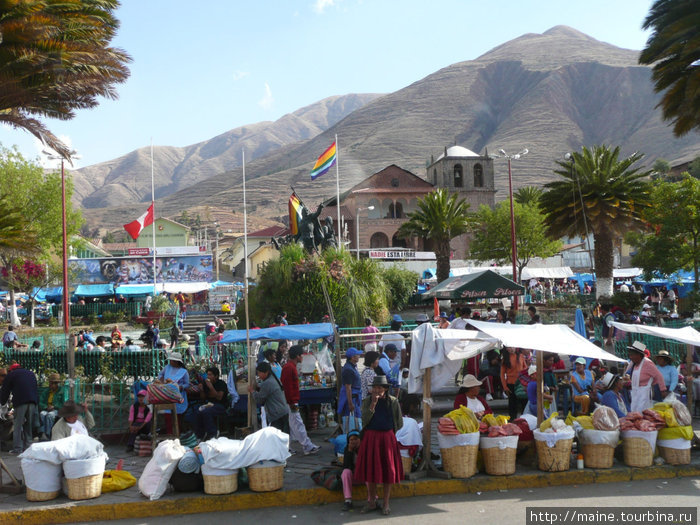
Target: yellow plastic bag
pixel 547 423
pixel 585 422
pixel 495 421
pixel 676 433
pixel 116 480
pixel 569 419
pixel 666 411
pixel 464 419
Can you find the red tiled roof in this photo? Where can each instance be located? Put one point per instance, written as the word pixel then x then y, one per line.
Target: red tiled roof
pixel 270 231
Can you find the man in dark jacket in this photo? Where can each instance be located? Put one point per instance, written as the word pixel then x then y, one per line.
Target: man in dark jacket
pixel 21 383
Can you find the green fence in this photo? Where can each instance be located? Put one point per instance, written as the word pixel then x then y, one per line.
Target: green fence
pixel 99 309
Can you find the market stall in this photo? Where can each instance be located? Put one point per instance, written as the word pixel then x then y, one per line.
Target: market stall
pixel 480 285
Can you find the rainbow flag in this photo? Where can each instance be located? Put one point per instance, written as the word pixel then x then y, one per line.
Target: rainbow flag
pixel 294 214
pixel 324 162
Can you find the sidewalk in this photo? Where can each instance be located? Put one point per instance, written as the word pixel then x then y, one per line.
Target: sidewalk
pixel 298 489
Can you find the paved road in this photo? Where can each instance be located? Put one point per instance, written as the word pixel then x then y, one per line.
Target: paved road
pixel 505 507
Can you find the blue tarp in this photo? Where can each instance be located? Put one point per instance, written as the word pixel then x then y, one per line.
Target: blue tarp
pixel 94 290
pixel 52 294
pixel 221 283
pixel 134 289
pixel 289 332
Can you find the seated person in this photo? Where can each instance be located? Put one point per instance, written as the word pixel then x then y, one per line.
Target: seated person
pixel 36 346
pixel 215 392
pixel 10 340
pixel 139 419
pixel 613 395
pixel 582 384
pixel 468 396
pixel 101 343
pixel 349 460
pixel 50 401
pixel 130 346
pixel 490 373
pixel 532 394
pixel 75 419
pixel 117 339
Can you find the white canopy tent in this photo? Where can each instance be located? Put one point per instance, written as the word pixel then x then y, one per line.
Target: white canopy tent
pixel 626 273
pixel 561 272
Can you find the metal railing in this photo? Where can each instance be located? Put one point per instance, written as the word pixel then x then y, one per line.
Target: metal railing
pixel 99 309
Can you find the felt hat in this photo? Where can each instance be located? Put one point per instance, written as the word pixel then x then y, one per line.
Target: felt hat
pixel 380 380
pixel 470 381
pixel 421 318
pixel 609 380
pixel 70 408
pixel 664 353
pixel 54 378
pixel 638 347
pixel 352 352
pixel 175 356
pixel 185 337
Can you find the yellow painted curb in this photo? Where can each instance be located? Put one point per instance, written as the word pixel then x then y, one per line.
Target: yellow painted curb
pixel 85 512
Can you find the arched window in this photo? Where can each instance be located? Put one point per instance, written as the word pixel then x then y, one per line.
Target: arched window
pixel 399 209
pixel 412 206
pixel 388 209
pixel 398 243
pixel 459 179
pixel 376 213
pixel 478 176
pixel 379 240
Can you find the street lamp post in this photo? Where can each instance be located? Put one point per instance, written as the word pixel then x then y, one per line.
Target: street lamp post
pixel 514 248
pixel 216 231
pixel 357 229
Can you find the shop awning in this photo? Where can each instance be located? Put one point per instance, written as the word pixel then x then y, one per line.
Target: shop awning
pixel 561 272
pixel 94 290
pixel 292 332
pixel 479 285
pixel 626 273
pixel 687 334
pixel 134 289
pixel 52 294
pixel 183 287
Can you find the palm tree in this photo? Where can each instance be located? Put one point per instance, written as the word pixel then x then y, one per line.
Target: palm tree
pixel 440 217
pixel 528 195
pixel 54 59
pixel 614 196
pixel 674 49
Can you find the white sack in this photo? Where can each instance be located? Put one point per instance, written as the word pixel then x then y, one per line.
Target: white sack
pixel 211 471
pixel 678 443
pixel 649 436
pixel 551 438
pixel 460 440
pixel 156 476
pixel 502 442
pixel 599 437
pixel 41 476
pixel 409 434
pixel 80 468
pixel 531 420
pixel 76 446
pixel 268 443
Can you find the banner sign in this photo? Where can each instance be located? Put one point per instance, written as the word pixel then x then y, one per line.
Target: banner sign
pixel 139 270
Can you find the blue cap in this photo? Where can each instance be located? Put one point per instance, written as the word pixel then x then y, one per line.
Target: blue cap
pixel 397 318
pixel 352 352
pixel 443 315
pixel 353 433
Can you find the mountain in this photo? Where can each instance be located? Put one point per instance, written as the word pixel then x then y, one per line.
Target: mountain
pixel 551 93
pixel 127 178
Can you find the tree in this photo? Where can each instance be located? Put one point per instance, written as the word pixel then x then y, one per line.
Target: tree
pixel 614 194
pixel 660 169
pixel 34 198
pixel 440 217
pixel 492 241
pixel 674 50
pixel 694 168
pixel 528 195
pixel 55 59
pixel 672 242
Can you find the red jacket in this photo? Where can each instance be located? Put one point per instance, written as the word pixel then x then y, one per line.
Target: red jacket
pixel 290 383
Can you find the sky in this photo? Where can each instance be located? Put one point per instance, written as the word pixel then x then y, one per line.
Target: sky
pixel 200 69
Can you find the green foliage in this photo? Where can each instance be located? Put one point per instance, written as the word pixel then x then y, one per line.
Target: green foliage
pixel 401 283
pixel 528 195
pixel 628 301
pixel 694 168
pixel 673 50
pixel 492 241
pixel 660 168
pixel 294 283
pixel 160 304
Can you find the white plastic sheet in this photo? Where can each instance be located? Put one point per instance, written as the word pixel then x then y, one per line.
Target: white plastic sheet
pixel 268 443
pixel 409 434
pixel 687 334
pixel 211 471
pixel 551 438
pixel 156 476
pixel 460 440
pixel 501 442
pixel 678 443
pixel 41 476
pixel 80 468
pixel 599 437
pixel 76 446
pixel 649 436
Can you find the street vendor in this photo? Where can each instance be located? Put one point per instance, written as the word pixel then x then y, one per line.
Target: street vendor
pixel 350 391
pixel 50 401
pixel 582 385
pixel 469 397
pixel 612 396
pixel 643 375
pixel 75 419
pixel 664 362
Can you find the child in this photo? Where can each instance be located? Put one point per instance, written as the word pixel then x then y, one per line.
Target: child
pixel 349 457
pixel 139 419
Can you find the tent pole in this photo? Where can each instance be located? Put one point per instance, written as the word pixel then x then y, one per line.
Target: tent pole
pixel 689 376
pixel 540 386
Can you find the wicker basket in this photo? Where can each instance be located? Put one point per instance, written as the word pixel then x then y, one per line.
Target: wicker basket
pixel 672 456
pixel 499 462
pixel 598 456
pixel 637 452
pixel 460 461
pixel 406 463
pixel 87 487
pixel 221 484
pixel 556 458
pixel 35 495
pixel 265 479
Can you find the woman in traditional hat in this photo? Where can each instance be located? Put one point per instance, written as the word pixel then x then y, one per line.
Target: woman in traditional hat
pixel 643 375
pixel 613 396
pixel 50 401
pixel 664 362
pixel 468 396
pixel 75 419
pixel 379 460
pixel 176 373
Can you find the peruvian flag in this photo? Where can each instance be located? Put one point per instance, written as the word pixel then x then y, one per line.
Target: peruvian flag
pixel 134 228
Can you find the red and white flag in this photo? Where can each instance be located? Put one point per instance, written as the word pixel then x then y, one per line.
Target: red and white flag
pixel 134 228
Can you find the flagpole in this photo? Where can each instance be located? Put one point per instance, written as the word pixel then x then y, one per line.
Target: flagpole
pixel 252 422
pixel 153 224
pixel 337 187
